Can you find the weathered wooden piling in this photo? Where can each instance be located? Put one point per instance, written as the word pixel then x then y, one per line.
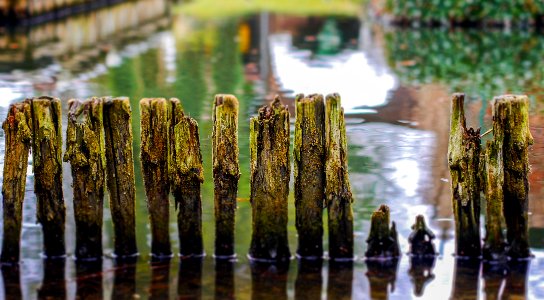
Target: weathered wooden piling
pixel 421 239
pixel 464 164
pixel 382 240
pixel 86 154
pixel 47 165
pixel 120 173
pixel 226 171
pixel 511 118
pixel 309 169
pixel 155 115
pixel 337 188
pixel 186 176
pixel 270 172
pixel 18 136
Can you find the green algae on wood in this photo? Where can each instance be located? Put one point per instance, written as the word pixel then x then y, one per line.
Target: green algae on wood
pixel 338 195
pixel 382 240
pixel 120 173
pixel 186 177
pixel 511 118
pixel 155 115
pixel 464 165
pixel 86 154
pixel 269 179
pixel 47 165
pixel 309 171
pixel 18 137
pixel 226 171
pixel 421 239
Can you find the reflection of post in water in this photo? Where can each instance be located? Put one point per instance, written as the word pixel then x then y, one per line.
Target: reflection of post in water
pixel 421 272
pixel 89 279
pixel 160 277
pixel 465 279
pixel 190 278
pixel 516 282
pixel 12 281
pixel 124 284
pixel 53 285
pixel 224 279
pixel 340 279
pixel 309 279
pixel 381 274
pixel 494 275
pixel 269 280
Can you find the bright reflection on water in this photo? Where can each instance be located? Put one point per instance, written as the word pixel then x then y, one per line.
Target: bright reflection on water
pixel 397 132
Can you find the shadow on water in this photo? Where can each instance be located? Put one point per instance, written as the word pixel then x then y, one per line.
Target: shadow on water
pixel 421 273
pixel 190 278
pixel 269 280
pixel 309 279
pixel 12 282
pixel 382 275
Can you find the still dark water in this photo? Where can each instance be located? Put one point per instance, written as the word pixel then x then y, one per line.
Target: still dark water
pixel 395 86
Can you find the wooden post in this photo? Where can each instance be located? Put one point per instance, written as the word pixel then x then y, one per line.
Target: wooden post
pixel 309 163
pixel 511 118
pixel 120 173
pixel 186 176
pixel 337 189
pixel 155 115
pixel 18 136
pixel 464 164
pixel 47 165
pixel 226 171
pixel 382 241
pixel 270 172
pixel 85 152
pixel 421 239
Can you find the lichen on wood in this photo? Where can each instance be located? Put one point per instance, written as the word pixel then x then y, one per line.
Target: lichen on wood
pixel 226 171
pixel 18 138
pixel 186 177
pixel 421 239
pixel 464 164
pixel 47 166
pixel 155 115
pixel 269 179
pixel 309 171
pixel 382 241
pixel 86 154
pixel 120 173
pixel 338 194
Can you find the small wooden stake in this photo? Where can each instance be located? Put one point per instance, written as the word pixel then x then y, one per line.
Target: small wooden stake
pixel 226 171
pixel 421 239
pixel 511 117
pixel 18 134
pixel 85 152
pixel 382 241
pixel 337 190
pixel 47 165
pixel 186 176
pixel 155 115
pixel 120 173
pixel 270 172
pixel 464 164
pixel 309 163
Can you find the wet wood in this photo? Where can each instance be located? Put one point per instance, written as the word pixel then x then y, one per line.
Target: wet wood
pixel 309 171
pixel 337 189
pixel 120 173
pixel 86 154
pixel 421 239
pixel 382 241
pixel 47 165
pixel 18 138
pixel 464 164
pixel 270 172
pixel 155 115
pixel 186 177
pixel 226 171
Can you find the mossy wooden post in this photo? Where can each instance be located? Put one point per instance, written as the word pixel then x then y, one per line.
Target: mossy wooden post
pixel 186 176
pixel 337 188
pixel 464 164
pixel 511 117
pixel 309 164
pixel 155 115
pixel 226 171
pixel 86 154
pixel 382 240
pixel 120 174
pixel 18 136
pixel 421 239
pixel 47 165
pixel 270 172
